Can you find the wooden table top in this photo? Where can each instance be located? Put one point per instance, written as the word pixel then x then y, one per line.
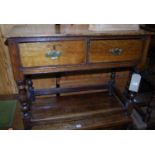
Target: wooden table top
pixel 65 30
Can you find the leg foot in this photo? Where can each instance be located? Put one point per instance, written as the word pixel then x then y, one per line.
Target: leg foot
pixel 25 107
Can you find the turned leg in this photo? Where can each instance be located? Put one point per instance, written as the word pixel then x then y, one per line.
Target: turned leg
pixel 126 90
pixel 58 84
pixel 31 95
pixel 25 107
pixel 130 104
pixel 112 82
pixel 129 95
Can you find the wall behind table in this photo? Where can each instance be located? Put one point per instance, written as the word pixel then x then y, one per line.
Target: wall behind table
pixel 8 86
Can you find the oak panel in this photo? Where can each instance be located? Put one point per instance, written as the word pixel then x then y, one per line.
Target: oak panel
pixel 100 50
pixel 34 54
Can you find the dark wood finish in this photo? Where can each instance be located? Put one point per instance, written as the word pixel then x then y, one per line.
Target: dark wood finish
pixel 79 110
pixel 120 96
pixel 60 37
pixel 129 96
pixel 15 60
pixel 112 83
pixel 31 95
pixel 69 89
pixel 88 110
pixel 25 106
pixel 76 68
pixel 58 84
pixel 142 63
pixel 113 121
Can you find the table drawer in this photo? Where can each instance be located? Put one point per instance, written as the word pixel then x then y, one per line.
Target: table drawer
pixel 52 53
pixel 115 50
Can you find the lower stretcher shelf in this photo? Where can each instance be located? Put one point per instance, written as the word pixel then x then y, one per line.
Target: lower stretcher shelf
pixel 82 111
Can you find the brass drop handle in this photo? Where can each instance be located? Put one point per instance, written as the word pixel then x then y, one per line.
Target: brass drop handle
pixel 53 54
pixel 116 51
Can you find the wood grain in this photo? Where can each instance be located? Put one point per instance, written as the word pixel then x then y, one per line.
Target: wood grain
pixel 34 54
pixel 35 30
pixel 100 50
pixel 93 79
pixel 43 83
pixel 80 53
pixel 15 60
pixel 141 65
pixel 79 80
pixel 112 122
pixel 79 109
pixel 7 84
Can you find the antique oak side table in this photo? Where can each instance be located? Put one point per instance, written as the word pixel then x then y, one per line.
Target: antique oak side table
pixel 59 54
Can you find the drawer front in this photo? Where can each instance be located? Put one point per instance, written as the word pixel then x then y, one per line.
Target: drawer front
pixel 52 53
pixel 115 50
